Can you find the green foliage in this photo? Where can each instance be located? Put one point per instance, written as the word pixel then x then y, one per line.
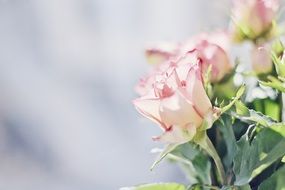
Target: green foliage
pixel 277 48
pixel 268 107
pixel 252 157
pixel 225 126
pixel 192 160
pixel 279 64
pixel 276 181
pixel 272 109
pixel 274 83
pixel 251 116
pixel 157 186
pixel 163 154
pixel 201 187
pixel 239 93
pixel 195 163
pixel 244 187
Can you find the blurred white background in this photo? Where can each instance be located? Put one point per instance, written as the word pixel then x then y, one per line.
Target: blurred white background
pixel 67 73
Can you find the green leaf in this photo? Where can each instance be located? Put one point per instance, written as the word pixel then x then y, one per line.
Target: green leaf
pixel 276 181
pixel 272 109
pixel 202 187
pixel 279 63
pixel 274 83
pixel 194 162
pixel 157 186
pixel 163 154
pixel 253 157
pixel 228 135
pixel 277 47
pixel 283 159
pixel 234 100
pixel 251 116
pixel 225 89
pixel 244 187
pixel 258 105
pixel 269 107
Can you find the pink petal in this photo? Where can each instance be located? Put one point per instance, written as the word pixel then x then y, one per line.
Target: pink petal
pixel 196 91
pixel 177 110
pixel 216 57
pixel 177 134
pixel 261 60
pixel 150 109
pixel 185 62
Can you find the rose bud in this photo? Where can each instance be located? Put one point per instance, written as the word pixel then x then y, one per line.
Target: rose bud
pixel 261 60
pixel 214 56
pixel 253 18
pixel 177 102
pixel 212 51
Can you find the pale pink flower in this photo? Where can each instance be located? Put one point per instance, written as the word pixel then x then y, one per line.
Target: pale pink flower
pixel 261 60
pixel 254 16
pixel 215 57
pixel 177 102
pixel 219 38
pixel 209 49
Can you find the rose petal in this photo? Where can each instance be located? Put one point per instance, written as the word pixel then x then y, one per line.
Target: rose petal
pixel 196 92
pixel 177 110
pixel 150 109
pixel 215 56
pixel 177 134
pixel 261 60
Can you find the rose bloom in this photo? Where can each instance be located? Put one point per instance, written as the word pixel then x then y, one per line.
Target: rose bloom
pixel 215 57
pixel 261 60
pixel 253 17
pixel 177 102
pixel 211 50
pixel 219 38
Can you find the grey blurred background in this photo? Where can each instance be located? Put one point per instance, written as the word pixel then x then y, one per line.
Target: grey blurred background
pixel 67 73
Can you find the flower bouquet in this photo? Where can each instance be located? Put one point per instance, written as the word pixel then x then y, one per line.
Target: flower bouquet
pixel 221 117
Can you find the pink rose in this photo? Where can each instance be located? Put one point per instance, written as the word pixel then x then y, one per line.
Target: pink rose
pixel 210 48
pixel 212 55
pixel 219 38
pixel 254 16
pixel 261 60
pixel 177 102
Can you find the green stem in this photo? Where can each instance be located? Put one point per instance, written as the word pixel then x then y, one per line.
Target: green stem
pixel 207 145
pixel 281 98
pixel 213 153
